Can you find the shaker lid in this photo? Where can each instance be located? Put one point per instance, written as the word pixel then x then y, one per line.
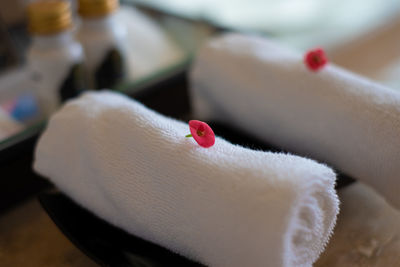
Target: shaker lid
pixel 97 8
pixel 49 16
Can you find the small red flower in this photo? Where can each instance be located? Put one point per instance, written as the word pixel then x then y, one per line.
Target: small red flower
pixel 202 133
pixel 315 59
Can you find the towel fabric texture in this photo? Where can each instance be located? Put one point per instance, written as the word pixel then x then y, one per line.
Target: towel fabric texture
pixel 333 115
pixel 221 206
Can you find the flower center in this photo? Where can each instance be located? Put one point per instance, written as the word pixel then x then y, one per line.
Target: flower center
pixel 200 133
pixel 316 59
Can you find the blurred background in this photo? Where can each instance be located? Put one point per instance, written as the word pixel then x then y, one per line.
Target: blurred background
pixel 161 37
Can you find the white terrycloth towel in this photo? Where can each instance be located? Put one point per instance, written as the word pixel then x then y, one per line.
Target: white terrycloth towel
pixel 334 116
pixel 222 206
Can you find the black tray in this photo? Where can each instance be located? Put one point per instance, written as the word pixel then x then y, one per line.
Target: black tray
pixel 102 242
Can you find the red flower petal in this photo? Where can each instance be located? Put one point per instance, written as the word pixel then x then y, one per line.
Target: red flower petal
pixel 202 133
pixel 315 59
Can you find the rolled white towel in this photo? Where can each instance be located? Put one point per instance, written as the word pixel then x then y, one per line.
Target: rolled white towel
pixel 222 206
pixel 334 115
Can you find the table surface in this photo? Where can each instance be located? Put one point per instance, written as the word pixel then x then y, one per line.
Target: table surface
pixel 367 234
pixel 28 237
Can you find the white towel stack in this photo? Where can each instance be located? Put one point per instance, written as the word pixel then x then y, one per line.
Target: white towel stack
pixel 222 206
pixel 334 115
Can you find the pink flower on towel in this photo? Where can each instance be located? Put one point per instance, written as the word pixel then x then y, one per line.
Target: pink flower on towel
pixel 202 133
pixel 315 59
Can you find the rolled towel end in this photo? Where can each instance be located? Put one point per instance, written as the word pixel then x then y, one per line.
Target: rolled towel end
pixel 313 220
